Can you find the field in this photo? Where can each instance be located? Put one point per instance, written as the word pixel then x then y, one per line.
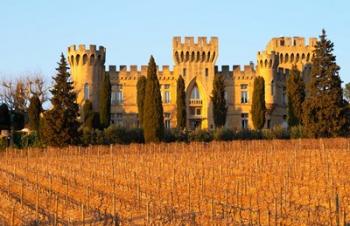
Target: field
pixel 296 182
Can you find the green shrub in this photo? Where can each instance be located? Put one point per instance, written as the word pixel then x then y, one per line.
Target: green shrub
pixel 3 143
pixel 31 140
pixel 297 132
pixel 135 135
pixel 223 134
pixel 116 135
pixel 200 135
pixel 248 134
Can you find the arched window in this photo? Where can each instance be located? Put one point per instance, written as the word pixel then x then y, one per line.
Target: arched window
pixel 86 91
pixel 195 93
pixel 281 58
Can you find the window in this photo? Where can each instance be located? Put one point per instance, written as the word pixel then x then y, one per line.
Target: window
pixel 184 72
pixel 117 94
pixel 206 72
pixel 244 120
pixel 244 93
pixel 195 111
pixel 86 91
pixel 117 118
pixel 167 120
pixel 272 88
pixel 269 123
pixel 166 93
pixel 195 93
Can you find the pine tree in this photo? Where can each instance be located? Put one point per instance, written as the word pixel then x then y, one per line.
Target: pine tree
pixel 34 112
pixel 324 107
pixel 219 102
pixel 61 124
pixel 258 103
pixel 105 101
pixel 141 89
pixel 180 103
pixel 296 97
pixel 5 119
pixel 347 92
pixel 153 124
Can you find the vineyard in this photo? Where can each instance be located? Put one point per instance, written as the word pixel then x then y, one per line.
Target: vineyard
pixel 294 182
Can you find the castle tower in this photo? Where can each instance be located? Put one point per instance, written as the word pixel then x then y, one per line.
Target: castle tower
pixel 195 62
pixel 87 70
pixel 267 64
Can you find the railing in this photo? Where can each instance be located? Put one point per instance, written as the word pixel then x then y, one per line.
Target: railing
pixel 195 102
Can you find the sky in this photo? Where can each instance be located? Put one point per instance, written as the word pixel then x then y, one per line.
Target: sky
pixel 34 33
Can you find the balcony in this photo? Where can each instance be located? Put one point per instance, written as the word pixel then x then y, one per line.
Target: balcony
pixel 195 102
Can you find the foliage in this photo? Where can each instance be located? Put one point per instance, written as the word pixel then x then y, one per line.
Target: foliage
pixel 153 121
pixel 141 89
pixel 277 132
pixel 258 103
pixel 200 135
pixel 324 107
pixel 61 125
pixel 296 97
pixel 223 134
pixel 219 102
pixel 346 92
pixel 34 112
pixel 5 120
pixel 180 103
pixel 297 132
pixel 105 101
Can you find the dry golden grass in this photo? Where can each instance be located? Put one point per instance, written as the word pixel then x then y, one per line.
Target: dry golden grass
pixel 297 182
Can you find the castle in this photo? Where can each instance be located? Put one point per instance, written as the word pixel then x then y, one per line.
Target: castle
pixel 195 61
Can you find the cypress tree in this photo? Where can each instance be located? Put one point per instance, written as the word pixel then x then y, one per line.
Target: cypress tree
pixel 153 124
pixel 180 103
pixel 141 89
pixel 5 119
pixel 296 97
pixel 219 102
pixel 105 102
pixel 61 124
pixel 88 115
pixel 324 107
pixel 258 103
pixel 34 111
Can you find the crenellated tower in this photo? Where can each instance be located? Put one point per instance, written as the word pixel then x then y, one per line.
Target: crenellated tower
pixel 87 65
pixel 195 61
pixel 267 64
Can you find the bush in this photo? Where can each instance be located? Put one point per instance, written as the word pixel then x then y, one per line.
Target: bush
pixel 200 135
pixel 276 132
pixel 247 134
pixel 31 140
pixel 135 135
pixel 3 143
pixel 297 132
pixel 169 135
pixel 224 134
pixel 116 135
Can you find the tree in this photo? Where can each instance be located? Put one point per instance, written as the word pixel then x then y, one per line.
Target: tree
pixel 34 112
pixel 325 112
pixel 61 124
pixel 87 115
pixel 141 89
pixel 258 103
pixel 153 123
pixel 105 102
pixel 5 119
pixel 296 97
pixel 180 103
pixel 219 102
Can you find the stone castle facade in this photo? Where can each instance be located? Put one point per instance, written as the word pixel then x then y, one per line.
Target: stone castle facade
pixel 195 60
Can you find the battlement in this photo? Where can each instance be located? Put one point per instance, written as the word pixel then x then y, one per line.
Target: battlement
pixel 86 49
pixel 133 71
pixel 267 60
pixel 282 42
pixel 190 42
pixel 86 55
pixel 247 73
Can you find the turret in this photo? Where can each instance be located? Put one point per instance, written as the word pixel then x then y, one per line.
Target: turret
pixel 267 64
pixel 87 70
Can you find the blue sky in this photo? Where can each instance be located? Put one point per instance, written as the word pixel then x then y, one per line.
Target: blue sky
pixel 34 33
